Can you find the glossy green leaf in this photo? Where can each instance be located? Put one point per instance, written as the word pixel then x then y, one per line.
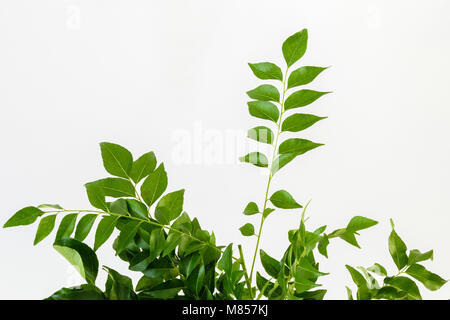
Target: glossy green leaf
pixel 247 230
pixel 251 208
pixel 118 286
pixel 172 241
pixel 116 159
pixel 80 256
pixel 84 226
pixel 378 269
pixel 104 230
pixel 269 264
pixel 66 226
pixel 83 292
pixel 302 285
pixel 302 98
pixel 405 284
pixel 119 206
pixel 267 211
pixel 24 217
pixel 303 75
pixel 349 293
pixel 157 243
pixel 283 199
pixel 137 209
pixel 127 234
pixel 256 158
pixel 192 262
pixel 166 290
pixel 195 280
pixel 266 71
pixel 154 185
pixel 264 110
pixel 265 92
pixel 143 166
pixel 359 223
pixel 114 187
pixel 299 121
pixel 226 262
pixel 294 47
pixel 297 146
pixel 430 280
pixel 323 245
pixel 261 134
pixel 96 197
pixel 282 160
pixel 45 227
pixel 397 249
pixel 417 256
pixel 169 207
pixel 391 293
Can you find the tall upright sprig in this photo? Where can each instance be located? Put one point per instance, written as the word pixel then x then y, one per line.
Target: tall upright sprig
pixel 265 97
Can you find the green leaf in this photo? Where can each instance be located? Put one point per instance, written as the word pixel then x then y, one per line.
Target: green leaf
pixel 247 230
pixel 143 166
pixel 83 292
pixel 84 226
pixel 266 70
pixel 282 199
pixel 166 290
pixel 120 207
pixel 50 206
pixel 390 293
pixel 118 287
pixel 269 264
pixel 404 284
pixel 172 241
pixel 45 227
pixel 302 98
pixel 357 277
pixel 154 185
pixel 169 207
pixel 114 187
pixel 261 134
pixel 303 75
pixel 282 160
pixel 430 280
pixel 297 146
pixel 299 121
pixel 157 243
pixel 416 256
pixel 104 230
pixel 137 209
pixel 251 208
pixel 359 223
pixel 195 280
pixel 226 262
pixel 24 217
pixel 302 285
pixel 294 47
pixel 267 211
pixel 265 92
pixel 256 158
pixel 397 249
pixel 264 110
pixel 80 256
pixel 96 197
pixel 127 234
pixel 116 159
pixel 322 245
pixel 66 226
pixel 308 271
pixel 349 293
pixel 378 269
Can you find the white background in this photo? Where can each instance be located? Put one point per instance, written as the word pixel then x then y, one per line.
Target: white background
pixel 75 73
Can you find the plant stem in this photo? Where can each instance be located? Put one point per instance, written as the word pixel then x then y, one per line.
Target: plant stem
pixel 244 268
pixel 274 154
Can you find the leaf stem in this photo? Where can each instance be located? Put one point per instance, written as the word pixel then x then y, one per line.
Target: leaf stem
pixel 244 268
pixel 274 154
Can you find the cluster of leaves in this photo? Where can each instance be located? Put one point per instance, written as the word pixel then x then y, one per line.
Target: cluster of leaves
pixel 176 258
pixel 398 286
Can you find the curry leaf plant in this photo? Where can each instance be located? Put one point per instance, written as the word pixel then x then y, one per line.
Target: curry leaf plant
pixel 177 259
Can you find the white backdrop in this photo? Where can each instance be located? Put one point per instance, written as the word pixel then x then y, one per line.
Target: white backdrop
pixel 75 73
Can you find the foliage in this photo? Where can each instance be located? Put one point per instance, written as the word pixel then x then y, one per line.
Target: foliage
pixel 176 258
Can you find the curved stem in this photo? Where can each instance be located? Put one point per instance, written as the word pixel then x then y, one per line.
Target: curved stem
pixel 274 154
